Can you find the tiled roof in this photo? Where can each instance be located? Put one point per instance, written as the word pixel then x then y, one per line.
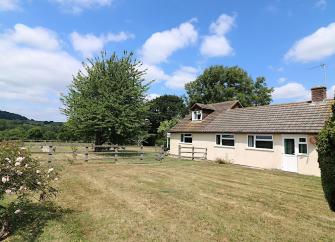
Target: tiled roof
pixel 300 117
pixel 222 106
pixel 186 124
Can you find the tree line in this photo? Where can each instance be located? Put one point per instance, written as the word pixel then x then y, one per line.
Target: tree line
pixel 107 103
pixel 34 130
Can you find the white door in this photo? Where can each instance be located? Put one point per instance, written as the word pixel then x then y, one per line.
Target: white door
pixel 290 159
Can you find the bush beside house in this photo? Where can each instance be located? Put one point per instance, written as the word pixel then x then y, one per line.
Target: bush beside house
pixel 326 150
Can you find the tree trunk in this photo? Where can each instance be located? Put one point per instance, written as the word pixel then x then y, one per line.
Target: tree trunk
pixel 99 140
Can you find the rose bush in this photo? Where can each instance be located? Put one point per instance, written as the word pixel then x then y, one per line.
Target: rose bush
pixel 22 178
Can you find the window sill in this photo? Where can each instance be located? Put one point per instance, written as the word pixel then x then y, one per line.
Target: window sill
pixel 224 146
pixel 260 149
pixel 304 155
pixel 182 143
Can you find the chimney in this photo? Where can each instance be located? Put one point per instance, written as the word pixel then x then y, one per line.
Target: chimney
pixel 319 94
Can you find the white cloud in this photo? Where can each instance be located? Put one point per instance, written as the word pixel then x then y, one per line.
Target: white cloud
pixel 214 45
pixel 34 67
pixel 292 90
pixel 180 77
pixel 89 44
pixel 121 36
pixel 282 79
pixel 153 72
pixel 176 80
pixel 322 4
pixel 9 5
pixel 161 45
pixel 217 44
pixel 317 46
pixel 78 6
pixel 38 37
pixel 277 69
pixel 152 96
pixel 222 25
pixel 331 92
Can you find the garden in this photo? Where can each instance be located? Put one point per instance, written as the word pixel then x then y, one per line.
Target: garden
pixel 168 200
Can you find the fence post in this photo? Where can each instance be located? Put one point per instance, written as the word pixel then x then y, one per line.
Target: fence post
pixel 86 154
pixel 192 152
pixel 142 154
pixel 116 150
pixel 205 154
pixel 179 151
pixel 74 153
pixel 50 154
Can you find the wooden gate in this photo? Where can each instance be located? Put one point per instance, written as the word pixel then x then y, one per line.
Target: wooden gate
pixel 192 152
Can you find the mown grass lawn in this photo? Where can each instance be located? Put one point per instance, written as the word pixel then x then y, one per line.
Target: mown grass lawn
pixel 185 201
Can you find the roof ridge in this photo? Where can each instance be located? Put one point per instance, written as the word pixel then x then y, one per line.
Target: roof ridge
pixel 217 102
pixel 225 102
pixel 283 104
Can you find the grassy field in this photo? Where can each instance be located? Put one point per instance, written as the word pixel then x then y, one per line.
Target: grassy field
pixel 179 200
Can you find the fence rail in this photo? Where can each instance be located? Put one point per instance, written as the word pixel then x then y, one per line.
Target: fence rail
pixel 88 152
pixel 194 150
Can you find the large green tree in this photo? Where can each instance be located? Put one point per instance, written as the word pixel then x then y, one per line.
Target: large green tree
pixel 106 102
pixel 220 83
pixel 326 159
pixel 163 108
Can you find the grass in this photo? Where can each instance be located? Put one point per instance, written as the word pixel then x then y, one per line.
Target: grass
pixel 180 200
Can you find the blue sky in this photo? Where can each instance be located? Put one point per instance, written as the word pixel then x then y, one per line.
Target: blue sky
pixel 43 42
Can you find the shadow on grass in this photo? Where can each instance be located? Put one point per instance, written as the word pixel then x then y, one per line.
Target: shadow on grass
pixel 30 222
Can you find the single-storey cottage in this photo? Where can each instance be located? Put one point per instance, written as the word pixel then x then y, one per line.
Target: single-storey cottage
pixel 279 136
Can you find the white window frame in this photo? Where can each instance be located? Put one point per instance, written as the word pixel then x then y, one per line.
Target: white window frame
pixel 195 115
pixel 182 138
pixel 304 143
pixel 228 146
pixel 255 139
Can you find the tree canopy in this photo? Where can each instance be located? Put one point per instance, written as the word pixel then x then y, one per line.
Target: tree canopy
pixel 35 130
pixel 163 108
pixel 220 83
pixel 107 101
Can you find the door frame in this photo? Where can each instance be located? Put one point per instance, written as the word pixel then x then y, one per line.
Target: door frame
pixel 294 158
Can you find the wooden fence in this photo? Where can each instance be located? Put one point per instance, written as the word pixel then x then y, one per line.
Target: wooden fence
pixel 88 152
pixel 192 152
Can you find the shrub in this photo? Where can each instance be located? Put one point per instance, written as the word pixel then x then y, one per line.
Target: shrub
pixel 222 161
pixel 326 152
pixel 21 178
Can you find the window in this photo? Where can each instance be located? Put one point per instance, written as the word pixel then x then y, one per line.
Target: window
pixel 251 141
pixel 197 115
pixel 289 146
pixel 186 138
pixel 302 146
pixel 225 139
pixel 264 142
pixel 260 141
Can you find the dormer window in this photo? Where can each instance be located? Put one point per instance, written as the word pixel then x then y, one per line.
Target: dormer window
pixel 197 115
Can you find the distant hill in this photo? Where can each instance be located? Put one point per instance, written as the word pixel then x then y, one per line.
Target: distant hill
pixel 11 116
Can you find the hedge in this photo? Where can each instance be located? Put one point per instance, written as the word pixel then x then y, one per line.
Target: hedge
pixel 326 153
